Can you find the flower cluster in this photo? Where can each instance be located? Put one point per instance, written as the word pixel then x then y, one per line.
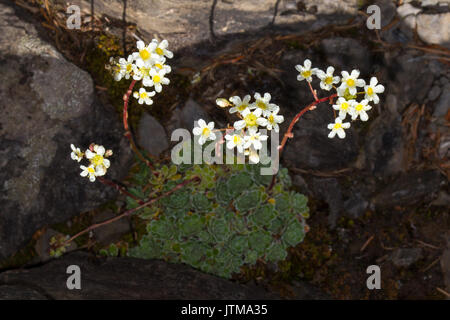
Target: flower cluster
pixel 347 93
pixel 98 164
pixel 147 64
pixel 244 135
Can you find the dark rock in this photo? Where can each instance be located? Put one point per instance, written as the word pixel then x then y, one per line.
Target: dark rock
pixel 47 104
pixel 151 135
pixel 410 79
pixel 110 232
pixel 443 104
pixel 123 278
pixel 445 262
pixel 347 54
pixel 384 144
pixel 329 190
pixel 405 257
pixel 409 189
pixel 434 93
pixel 356 205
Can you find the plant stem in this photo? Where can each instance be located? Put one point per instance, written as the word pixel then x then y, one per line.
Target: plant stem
pixel 126 98
pixel 289 134
pixel 131 211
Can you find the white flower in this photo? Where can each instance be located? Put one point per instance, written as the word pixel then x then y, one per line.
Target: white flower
pixel 142 73
pixel 157 79
pixel 239 105
pixel 272 121
pixel 253 155
pixel 305 71
pixel 126 66
pixel 88 171
pixel 327 79
pixel 235 140
pixel 359 109
pixel 372 89
pixel 76 153
pixel 160 64
pixel 338 128
pixel 251 120
pixel 205 131
pixel 144 55
pixel 264 104
pixel 161 48
pixel 253 139
pixel 98 160
pixel 144 96
pixel 344 107
pixel 351 81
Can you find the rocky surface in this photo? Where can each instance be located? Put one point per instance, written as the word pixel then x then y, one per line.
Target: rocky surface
pixel 151 135
pixel 123 278
pixel 185 23
pixel 47 104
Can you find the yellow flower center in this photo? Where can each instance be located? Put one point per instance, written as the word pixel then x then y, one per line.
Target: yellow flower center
pixel 370 91
pixel 261 105
pixel 344 105
pixel 156 78
pixel 158 65
pixel 250 120
pixel 306 73
pixel 337 126
pixel 159 51
pixel 145 71
pixel 237 139
pixel 91 170
pixel 97 160
pixel 350 82
pixel 271 119
pixel 242 107
pixel 143 95
pixel 206 131
pixel 329 80
pixel 144 54
pixel 129 67
pixel 359 107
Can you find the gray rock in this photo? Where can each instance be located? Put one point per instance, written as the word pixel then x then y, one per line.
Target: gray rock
pixel 123 278
pixel 387 13
pixel 434 28
pixel 356 205
pixel 434 93
pixel 443 104
pixel 405 257
pixel 111 232
pixel 47 104
pixel 186 116
pixel 411 81
pixel 151 135
pixel 409 189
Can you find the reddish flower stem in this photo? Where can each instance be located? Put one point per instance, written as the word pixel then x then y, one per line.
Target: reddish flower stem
pixel 131 211
pixel 126 98
pixel 289 133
